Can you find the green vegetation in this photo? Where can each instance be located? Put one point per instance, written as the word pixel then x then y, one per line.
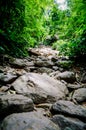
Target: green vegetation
pixel 27 23
pixel 21 25
pixel 72 29
pixel 11 27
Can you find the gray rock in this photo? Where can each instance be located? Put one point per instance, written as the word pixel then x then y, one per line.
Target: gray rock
pixel 41 88
pixel 44 51
pixel 28 121
pixel 13 103
pixel 64 63
pixel 4 88
pixel 83 78
pixel 72 87
pixel 44 70
pixel 32 51
pixel 67 76
pixel 80 95
pixel 29 63
pixel 68 123
pixel 31 69
pixel 42 63
pixel 7 78
pixel 69 108
pixel 55 68
pixel 53 74
pixel 17 63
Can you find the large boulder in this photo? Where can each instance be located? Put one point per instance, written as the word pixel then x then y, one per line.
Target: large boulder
pixel 41 88
pixel 69 108
pixel 67 76
pixel 80 95
pixel 13 103
pixel 28 121
pixel 67 123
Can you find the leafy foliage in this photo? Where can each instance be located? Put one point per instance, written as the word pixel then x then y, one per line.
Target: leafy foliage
pixel 26 23
pixel 11 27
pixel 73 29
pixel 35 30
pixel 21 25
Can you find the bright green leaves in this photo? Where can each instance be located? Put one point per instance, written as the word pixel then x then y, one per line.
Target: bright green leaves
pixel 22 24
pixel 34 30
pixel 25 23
pixel 73 29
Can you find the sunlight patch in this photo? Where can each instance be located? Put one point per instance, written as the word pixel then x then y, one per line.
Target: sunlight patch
pixel 62 4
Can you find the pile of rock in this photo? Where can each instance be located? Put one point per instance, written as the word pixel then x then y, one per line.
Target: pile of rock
pixel 42 92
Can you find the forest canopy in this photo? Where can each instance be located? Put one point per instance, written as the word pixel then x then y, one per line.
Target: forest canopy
pixel 27 23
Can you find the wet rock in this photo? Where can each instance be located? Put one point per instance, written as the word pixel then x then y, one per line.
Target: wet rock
pixel 70 109
pixel 28 121
pixel 67 123
pixel 41 88
pixel 13 103
pixel 80 95
pixel 7 78
pixel 67 76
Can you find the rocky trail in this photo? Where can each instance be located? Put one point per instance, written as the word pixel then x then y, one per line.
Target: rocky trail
pixel 44 91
